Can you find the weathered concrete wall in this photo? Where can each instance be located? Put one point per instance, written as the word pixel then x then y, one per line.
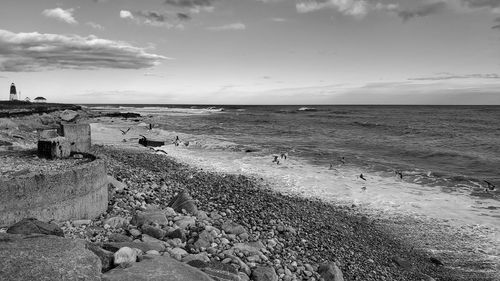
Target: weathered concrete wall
pixel 77 193
pixel 78 136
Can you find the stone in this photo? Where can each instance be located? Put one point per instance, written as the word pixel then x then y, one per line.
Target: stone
pixel 330 272
pixel 117 237
pixel 116 222
pixel 149 216
pixel 53 148
pixel 231 227
pixel 156 244
pixel 253 248
pixel 221 272
pixel 46 257
pixel 32 225
pixel 203 256
pixel 185 222
pixel 78 136
pixel 125 256
pixel 68 115
pixel 135 232
pixel 177 233
pixel 161 268
pixel 106 257
pixel 264 273
pixel 153 253
pixel 152 231
pixel 204 240
pixel 401 262
pixel 243 276
pixel 178 251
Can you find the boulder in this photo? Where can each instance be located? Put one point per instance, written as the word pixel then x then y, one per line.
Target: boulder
pixel 231 227
pixel 126 256
pixel 330 272
pixel 33 226
pixel 117 237
pixel 252 248
pixel 68 115
pixel 46 257
pixel 185 222
pixel 264 273
pixel 177 233
pixel 161 268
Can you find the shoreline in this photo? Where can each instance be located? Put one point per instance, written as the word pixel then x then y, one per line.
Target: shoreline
pixel 362 248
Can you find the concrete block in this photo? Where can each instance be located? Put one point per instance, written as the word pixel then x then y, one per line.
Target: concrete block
pixel 78 136
pixel 54 148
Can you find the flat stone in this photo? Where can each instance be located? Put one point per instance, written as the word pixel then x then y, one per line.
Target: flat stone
pixel 116 222
pixel 264 273
pixel 252 248
pixel 231 227
pixel 32 226
pixel 161 268
pixel 46 257
pixel 150 216
pixel 152 231
pixel 185 222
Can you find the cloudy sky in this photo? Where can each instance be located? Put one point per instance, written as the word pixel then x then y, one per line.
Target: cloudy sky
pixel 252 51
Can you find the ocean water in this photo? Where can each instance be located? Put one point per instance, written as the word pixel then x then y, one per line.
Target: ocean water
pixel 445 154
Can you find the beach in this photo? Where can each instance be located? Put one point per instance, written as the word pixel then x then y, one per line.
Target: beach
pixel 366 247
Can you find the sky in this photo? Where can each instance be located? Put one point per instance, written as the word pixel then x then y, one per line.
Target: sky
pixel 252 51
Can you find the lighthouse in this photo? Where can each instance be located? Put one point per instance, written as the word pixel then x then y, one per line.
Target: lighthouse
pixel 13 92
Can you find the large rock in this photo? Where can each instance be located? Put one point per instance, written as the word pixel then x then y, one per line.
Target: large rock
pixel 264 273
pixel 46 257
pixel 330 272
pixel 34 226
pixel 221 271
pixel 68 115
pixel 157 269
pixel 106 257
pixel 231 227
pixel 183 201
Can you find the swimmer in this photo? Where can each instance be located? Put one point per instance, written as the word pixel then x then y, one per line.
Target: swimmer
pixel 362 177
pixel 151 126
pixel 284 155
pixel 275 158
pixel 176 141
pixel 399 174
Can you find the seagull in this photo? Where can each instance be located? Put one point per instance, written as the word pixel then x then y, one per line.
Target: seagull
pixel 125 132
pixel 490 185
pixel 362 177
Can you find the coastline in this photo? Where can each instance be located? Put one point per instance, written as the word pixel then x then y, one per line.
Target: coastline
pixel 366 248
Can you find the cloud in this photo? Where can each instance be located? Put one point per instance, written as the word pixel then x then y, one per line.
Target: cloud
pixel 231 26
pixel 356 8
pixel 481 3
pixel 422 11
pixel 278 19
pixel 95 25
pixel 155 18
pixel 449 76
pixel 124 14
pixel 42 51
pixel 195 6
pixel 61 15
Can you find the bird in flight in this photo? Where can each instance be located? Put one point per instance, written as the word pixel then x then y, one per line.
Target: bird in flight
pixel 125 132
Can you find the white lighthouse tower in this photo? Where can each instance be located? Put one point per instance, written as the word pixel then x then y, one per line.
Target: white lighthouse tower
pixel 13 92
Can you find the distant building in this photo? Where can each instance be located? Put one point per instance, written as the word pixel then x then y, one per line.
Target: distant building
pixel 13 92
pixel 40 100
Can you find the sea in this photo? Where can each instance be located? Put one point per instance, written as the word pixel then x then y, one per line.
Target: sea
pixel 436 162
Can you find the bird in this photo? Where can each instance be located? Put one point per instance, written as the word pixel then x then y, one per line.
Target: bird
pixel 362 177
pixel 125 132
pixel 490 185
pixel 399 173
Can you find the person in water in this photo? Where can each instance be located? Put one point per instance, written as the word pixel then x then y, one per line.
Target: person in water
pixel 275 158
pixel 176 141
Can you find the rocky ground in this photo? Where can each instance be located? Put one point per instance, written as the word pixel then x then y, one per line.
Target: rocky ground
pixel 245 224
